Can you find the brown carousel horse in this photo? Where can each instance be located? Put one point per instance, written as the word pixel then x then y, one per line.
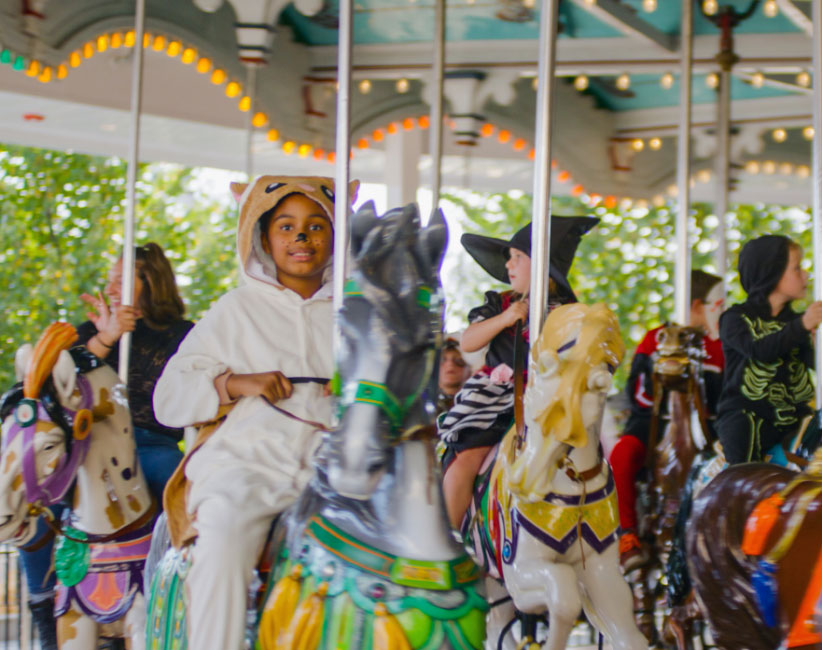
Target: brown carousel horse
pixel 756 567
pixel 672 447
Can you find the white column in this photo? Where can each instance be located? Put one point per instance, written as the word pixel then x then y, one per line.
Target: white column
pixel 682 263
pixel 402 157
pixel 817 181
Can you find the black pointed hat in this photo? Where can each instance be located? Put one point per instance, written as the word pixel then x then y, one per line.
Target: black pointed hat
pixel 566 232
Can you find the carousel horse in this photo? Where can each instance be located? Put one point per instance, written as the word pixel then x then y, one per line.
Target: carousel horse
pixel 366 558
pixel 67 436
pixel 755 557
pixel 544 517
pixel 677 379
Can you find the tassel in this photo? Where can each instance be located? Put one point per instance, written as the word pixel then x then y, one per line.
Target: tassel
pixel 279 608
pixel 763 581
pixel 306 627
pixel 388 633
pixel 760 523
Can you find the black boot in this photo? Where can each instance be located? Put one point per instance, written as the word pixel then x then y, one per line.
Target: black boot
pixel 43 614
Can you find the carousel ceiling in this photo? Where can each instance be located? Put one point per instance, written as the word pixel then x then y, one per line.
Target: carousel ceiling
pixel 218 69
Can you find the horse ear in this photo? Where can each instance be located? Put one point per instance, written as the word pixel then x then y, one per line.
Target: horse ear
pixel 434 240
pixel 21 360
pixel 362 222
pixel 64 376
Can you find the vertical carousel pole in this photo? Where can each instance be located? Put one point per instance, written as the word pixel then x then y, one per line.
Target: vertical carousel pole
pixel 541 210
pixel 817 181
pixel 723 158
pixel 250 91
pixel 437 76
pixel 341 228
pixel 682 263
pixel 126 297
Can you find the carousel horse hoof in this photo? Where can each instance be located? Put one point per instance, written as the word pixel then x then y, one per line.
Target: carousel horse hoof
pixel 632 553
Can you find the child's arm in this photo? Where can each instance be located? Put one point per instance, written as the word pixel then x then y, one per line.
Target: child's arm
pixel 736 335
pixel 477 335
pixel 273 386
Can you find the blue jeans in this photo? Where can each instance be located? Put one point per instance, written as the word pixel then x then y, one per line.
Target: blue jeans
pixel 36 564
pixel 159 456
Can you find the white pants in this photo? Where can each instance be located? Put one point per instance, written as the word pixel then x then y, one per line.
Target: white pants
pixel 230 540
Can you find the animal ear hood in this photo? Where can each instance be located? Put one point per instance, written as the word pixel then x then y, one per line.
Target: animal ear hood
pixel 264 193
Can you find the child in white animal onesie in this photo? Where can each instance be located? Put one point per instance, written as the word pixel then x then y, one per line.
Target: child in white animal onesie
pixel 266 342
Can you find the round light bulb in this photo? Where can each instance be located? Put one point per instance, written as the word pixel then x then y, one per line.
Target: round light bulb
pixel 712 80
pixel 623 81
pixel 581 82
pixel 402 85
pixel 808 133
pixel 786 169
pixel 667 81
pixel 757 79
pixel 803 171
pixel 770 8
pixel 365 86
pixel 638 144
pixel 769 167
pixel 710 7
pixel 804 79
pixel 649 6
pixel 703 175
pixel 655 144
pixel 779 135
pixel 752 167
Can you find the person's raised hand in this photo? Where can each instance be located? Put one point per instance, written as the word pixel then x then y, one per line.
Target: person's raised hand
pixel 812 316
pixel 517 311
pixel 101 314
pixel 273 386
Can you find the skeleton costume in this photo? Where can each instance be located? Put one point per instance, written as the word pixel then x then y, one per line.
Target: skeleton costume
pixel 257 462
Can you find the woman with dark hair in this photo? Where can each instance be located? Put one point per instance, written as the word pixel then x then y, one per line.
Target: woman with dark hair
pixel 156 322
pixel 157 326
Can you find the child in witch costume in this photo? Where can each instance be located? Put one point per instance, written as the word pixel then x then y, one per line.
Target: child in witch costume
pixel 483 410
pixel 246 354
pixel 767 389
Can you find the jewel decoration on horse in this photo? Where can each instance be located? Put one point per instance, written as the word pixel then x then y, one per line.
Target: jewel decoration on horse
pixel 544 518
pixel 366 558
pixel 756 567
pixel 67 436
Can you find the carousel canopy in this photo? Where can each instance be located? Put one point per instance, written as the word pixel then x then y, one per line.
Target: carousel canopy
pixel 216 70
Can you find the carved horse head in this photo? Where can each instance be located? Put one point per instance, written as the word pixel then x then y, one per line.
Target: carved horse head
pixel 570 373
pixel 390 322
pixel 67 427
pixel 679 349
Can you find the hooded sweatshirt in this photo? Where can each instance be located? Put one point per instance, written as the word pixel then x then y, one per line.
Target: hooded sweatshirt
pixel 767 358
pixel 258 454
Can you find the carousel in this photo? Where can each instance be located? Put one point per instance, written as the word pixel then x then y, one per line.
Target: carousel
pixel 620 102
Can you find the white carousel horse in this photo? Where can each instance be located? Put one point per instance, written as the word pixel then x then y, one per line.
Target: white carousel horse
pixel 544 518
pixel 67 434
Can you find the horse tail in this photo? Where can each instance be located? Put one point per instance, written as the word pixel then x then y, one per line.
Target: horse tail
pixel 721 573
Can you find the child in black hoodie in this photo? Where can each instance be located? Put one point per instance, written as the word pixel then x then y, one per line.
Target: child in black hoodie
pixel 767 386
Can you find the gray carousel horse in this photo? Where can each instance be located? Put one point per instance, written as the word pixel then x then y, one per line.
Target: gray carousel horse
pixel 366 557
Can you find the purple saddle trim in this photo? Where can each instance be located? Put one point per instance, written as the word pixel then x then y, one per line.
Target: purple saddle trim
pixel 114 578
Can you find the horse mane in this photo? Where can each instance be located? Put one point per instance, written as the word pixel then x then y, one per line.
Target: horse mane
pixel 576 338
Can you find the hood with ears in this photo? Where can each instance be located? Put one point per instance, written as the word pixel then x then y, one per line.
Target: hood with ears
pixel 263 195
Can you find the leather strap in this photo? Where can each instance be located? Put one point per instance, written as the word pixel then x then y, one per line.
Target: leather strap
pixel 519 388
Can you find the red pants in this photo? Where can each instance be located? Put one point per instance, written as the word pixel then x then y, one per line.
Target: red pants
pixel 627 458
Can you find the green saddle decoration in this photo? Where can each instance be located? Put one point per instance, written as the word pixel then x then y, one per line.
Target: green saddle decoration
pixel 434 602
pixel 71 558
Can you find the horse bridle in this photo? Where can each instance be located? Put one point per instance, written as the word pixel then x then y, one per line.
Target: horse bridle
pixel 376 393
pixel 27 413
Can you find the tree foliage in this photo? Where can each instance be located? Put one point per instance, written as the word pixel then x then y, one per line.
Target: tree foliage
pixel 61 225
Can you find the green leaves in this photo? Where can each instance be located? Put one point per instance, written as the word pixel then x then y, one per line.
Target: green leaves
pixel 61 225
